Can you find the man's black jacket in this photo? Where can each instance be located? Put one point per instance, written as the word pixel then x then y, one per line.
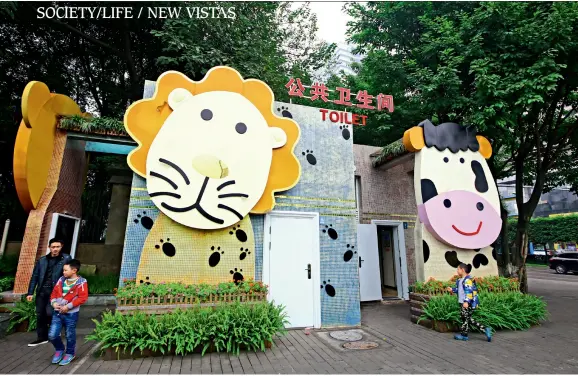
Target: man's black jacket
pixel 40 272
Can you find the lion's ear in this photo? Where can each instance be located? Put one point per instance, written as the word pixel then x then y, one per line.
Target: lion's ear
pixel 178 96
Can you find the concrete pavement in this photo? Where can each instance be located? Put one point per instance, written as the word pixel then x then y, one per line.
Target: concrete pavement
pixel 403 347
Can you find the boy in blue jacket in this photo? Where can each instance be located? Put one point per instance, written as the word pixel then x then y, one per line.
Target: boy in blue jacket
pixel 468 298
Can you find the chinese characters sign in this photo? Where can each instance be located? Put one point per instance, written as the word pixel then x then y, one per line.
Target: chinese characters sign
pixel 319 91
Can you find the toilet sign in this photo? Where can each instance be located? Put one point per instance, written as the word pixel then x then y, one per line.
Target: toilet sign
pixel 320 91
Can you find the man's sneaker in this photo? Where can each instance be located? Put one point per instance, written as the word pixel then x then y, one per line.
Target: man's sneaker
pixel 57 357
pixel 38 342
pixel 460 337
pixel 66 360
pixel 489 334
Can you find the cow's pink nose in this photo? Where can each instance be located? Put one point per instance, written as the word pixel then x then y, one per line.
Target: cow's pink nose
pixel 461 219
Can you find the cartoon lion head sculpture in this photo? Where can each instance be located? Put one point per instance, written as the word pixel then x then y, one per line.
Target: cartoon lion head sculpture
pixel 212 151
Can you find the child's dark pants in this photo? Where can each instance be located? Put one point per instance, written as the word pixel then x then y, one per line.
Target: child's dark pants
pixel 68 321
pixel 468 321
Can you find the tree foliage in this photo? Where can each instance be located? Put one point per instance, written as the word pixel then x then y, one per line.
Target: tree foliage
pixel 507 68
pixel 103 63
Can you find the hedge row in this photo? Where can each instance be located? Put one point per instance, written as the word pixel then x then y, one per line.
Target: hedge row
pixel 549 229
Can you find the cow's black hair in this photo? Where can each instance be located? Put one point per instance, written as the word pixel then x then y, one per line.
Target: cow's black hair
pixel 449 136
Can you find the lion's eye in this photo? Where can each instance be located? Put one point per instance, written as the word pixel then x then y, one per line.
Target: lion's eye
pixel 241 128
pixel 206 114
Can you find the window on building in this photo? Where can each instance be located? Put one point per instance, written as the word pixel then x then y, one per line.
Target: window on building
pixel 358 197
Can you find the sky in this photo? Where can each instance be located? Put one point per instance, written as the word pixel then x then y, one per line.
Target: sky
pixel 331 20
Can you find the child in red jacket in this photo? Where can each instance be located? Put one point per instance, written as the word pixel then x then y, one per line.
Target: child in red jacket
pixel 70 292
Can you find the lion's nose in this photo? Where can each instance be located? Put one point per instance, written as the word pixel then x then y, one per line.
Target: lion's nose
pixel 210 166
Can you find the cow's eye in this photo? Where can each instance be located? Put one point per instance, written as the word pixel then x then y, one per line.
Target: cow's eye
pixel 480 206
pixel 462 160
pixel 241 128
pixel 447 203
pixel 446 159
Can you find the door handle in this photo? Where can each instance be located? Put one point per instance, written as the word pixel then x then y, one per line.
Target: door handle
pixel 308 271
pixel 360 261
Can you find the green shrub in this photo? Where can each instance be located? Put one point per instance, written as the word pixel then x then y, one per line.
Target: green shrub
pixel 511 310
pixel 102 284
pixel 485 284
pixel 131 290
pixel 21 312
pixel 548 229
pixel 228 327
pixel 8 265
pixel 6 283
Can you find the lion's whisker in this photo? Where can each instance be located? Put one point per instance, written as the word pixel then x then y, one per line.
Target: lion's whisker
pixel 157 175
pixel 225 184
pixel 234 195
pixel 221 206
pixel 175 195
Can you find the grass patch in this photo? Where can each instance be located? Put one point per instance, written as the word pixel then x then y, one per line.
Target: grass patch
pixel 6 283
pixel 229 328
pixel 485 284
pixel 511 310
pixel 131 290
pixel 102 284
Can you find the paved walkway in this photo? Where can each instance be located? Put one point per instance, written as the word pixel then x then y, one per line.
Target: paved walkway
pixel 404 347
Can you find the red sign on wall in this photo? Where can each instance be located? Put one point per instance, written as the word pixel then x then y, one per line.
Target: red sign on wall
pixel 319 91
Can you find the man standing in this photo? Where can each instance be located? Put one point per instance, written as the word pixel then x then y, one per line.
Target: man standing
pixel 47 272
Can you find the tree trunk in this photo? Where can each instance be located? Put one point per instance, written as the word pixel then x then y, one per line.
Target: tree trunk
pixel 522 252
pixel 504 259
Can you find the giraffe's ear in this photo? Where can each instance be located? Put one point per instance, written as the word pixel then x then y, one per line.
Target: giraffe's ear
pixel 413 139
pixel 485 147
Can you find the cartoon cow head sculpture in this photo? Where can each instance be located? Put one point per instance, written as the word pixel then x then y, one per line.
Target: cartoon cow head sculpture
pixel 458 202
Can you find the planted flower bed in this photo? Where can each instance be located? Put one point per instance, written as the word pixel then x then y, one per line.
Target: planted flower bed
pixel 502 306
pixel 163 298
pixel 223 328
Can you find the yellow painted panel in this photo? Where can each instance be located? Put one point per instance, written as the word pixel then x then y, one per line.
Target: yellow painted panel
pixel 35 140
pixel 175 253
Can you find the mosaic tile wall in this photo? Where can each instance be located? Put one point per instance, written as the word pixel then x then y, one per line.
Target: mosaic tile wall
pixel 325 150
pixel 327 187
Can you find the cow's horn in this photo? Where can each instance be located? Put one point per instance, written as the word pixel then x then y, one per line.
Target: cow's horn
pixel 413 139
pixel 485 147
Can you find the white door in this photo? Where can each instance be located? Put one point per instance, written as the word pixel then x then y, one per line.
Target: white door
pixel 291 266
pixel 368 252
pixel 398 268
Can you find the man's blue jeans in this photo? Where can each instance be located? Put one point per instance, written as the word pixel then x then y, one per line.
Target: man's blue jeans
pixel 68 321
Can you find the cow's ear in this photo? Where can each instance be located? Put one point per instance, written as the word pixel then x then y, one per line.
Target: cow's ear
pixel 485 147
pixel 413 139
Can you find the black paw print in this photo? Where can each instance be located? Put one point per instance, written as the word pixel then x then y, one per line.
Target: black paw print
pixel 215 257
pixel 348 255
pixel 146 282
pixel 144 220
pixel 244 253
pixel 331 232
pixel 240 234
pixel 345 131
pixel 167 247
pixel 310 157
pixel 237 276
pixel 330 290
pixel 285 112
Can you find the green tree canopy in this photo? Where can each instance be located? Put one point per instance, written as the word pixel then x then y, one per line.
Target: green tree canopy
pixel 509 68
pixel 103 63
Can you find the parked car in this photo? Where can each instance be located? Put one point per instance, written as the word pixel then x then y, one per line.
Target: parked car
pixel 564 262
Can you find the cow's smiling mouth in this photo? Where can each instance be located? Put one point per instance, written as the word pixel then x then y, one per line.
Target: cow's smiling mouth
pixel 468 233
